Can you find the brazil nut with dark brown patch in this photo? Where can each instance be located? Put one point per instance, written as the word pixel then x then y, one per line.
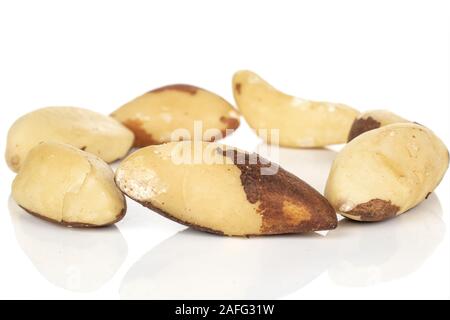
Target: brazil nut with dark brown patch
pixel 362 125
pixel 371 120
pixel 386 171
pixel 170 113
pixel 141 137
pixel 226 192
pixel 374 210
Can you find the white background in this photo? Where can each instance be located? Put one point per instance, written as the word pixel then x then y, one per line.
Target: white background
pixel 100 54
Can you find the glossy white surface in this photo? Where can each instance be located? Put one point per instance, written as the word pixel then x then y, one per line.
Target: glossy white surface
pixel 100 54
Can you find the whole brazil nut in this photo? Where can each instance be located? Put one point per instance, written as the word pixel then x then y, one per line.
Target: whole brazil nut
pixel 84 129
pixel 387 171
pixel 65 185
pixel 169 114
pixel 301 123
pixel 371 120
pixel 225 192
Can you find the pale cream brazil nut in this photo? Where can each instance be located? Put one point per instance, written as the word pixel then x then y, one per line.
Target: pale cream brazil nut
pixel 225 193
pixel 387 171
pixel 302 123
pixel 68 186
pixel 81 128
pixel 373 119
pixel 169 114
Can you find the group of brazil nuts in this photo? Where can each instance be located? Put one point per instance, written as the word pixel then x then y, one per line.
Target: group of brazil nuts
pixel 388 166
